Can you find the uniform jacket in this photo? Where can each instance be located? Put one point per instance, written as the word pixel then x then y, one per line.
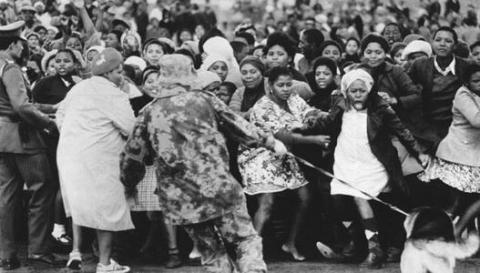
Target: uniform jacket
pixel 462 144
pixel 182 131
pixel 20 120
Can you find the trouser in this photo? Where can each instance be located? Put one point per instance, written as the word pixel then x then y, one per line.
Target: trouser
pixel 34 171
pixel 234 228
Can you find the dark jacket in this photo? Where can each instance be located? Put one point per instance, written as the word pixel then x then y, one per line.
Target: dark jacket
pixel 421 72
pixel 394 81
pixel 382 123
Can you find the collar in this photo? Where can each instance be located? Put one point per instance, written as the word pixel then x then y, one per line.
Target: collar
pixel 4 55
pixel 449 68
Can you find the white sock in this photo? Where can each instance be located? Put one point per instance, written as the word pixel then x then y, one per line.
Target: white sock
pixel 58 230
pixel 369 234
pixel 346 223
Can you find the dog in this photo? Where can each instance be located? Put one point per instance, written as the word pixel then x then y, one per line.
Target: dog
pixel 431 246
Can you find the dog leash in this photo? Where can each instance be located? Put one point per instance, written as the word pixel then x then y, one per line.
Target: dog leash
pixel 324 172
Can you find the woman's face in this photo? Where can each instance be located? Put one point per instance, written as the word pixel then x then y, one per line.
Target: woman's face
pixel 351 48
pixel 474 83
pixel 33 42
pixel 331 52
pixel 149 84
pixel 476 54
pixel 323 76
pixel 443 43
pixel 397 58
pixel 51 35
pixel 111 40
pixel 357 95
pixel 199 31
pixel 74 44
pixel 64 64
pixel 282 87
pixel 152 54
pixel 91 54
pixel 277 56
pixel 392 34
pixel 51 68
pixel 251 76
pixel 374 55
pixel 185 36
pixel 220 68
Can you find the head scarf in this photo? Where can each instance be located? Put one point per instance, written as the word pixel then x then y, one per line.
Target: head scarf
pixel 220 46
pixel 211 59
pixel 352 76
pixel 136 61
pixel 46 58
pixel 417 46
pixel 177 69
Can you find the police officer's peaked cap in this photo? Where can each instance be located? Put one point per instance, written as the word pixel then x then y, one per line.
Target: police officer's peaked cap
pixel 12 30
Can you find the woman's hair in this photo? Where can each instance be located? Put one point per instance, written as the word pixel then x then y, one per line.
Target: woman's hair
pixel 69 52
pixel 391 24
pixel 447 29
pixel 276 72
pixel 374 38
pixel 474 45
pixel 396 47
pixel 461 50
pixel 353 39
pixel 280 39
pixel 329 43
pixel 148 71
pixel 471 69
pixel 188 53
pixel 326 62
pixel 314 36
pixel 167 49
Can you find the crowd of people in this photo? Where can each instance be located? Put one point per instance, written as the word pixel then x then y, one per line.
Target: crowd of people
pixel 141 119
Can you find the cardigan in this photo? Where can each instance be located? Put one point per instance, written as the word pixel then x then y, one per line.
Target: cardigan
pixel 422 72
pixel 462 143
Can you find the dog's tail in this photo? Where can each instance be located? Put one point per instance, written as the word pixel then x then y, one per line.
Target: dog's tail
pixel 459 250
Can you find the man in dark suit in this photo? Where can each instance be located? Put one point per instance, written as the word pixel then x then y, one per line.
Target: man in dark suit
pixel 23 157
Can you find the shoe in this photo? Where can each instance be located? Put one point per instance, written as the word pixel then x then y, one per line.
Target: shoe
pixel 75 260
pixel 113 267
pixel 327 252
pixel 49 259
pixel 63 240
pixel 393 254
pixel 376 257
pixel 174 259
pixel 10 264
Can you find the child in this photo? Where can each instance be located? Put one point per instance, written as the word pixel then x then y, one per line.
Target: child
pixel 431 246
pixel 352 48
pixel 361 124
pixel 225 91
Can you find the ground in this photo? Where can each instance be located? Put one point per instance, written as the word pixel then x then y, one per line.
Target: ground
pixel 469 266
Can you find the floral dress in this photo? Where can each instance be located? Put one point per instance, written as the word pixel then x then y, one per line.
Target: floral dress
pixel 262 170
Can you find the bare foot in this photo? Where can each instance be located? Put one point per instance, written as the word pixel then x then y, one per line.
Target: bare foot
pixel 292 250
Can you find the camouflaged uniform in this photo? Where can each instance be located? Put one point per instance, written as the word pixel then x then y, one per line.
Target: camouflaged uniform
pixel 182 132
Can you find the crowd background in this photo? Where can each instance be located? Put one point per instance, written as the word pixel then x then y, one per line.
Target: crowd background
pixel 234 46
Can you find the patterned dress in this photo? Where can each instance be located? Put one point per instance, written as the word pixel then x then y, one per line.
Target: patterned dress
pixel 262 170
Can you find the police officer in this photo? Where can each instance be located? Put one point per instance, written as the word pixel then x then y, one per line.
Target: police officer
pixel 23 157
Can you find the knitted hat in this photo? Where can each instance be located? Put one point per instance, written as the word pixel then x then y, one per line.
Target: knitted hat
pixel 374 38
pixel 417 46
pixel 256 62
pixel 106 61
pixel 353 75
pixel 136 61
pixel 397 47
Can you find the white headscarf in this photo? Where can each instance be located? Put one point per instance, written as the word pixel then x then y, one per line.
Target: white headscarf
pixel 206 78
pixel 211 59
pixel 353 75
pixel 220 46
pixel 417 46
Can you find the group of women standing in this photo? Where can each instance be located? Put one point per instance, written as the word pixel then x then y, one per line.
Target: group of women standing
pixel 352 110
